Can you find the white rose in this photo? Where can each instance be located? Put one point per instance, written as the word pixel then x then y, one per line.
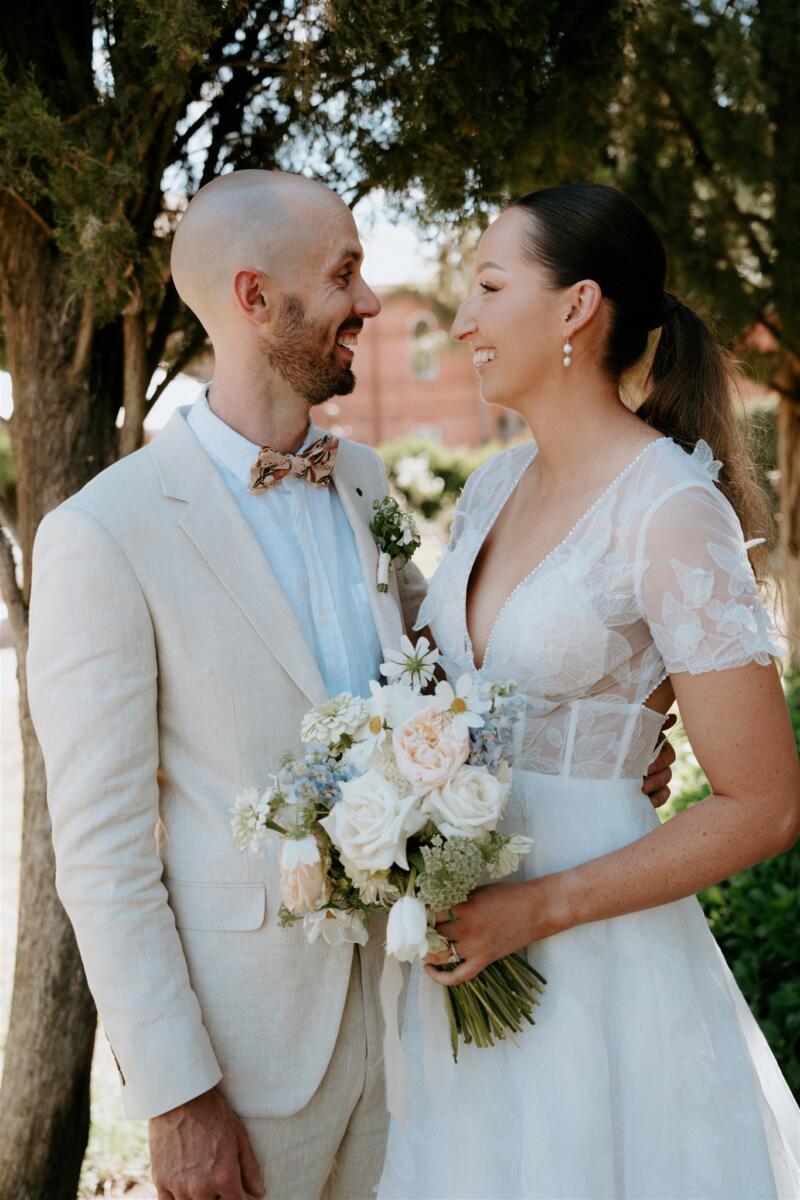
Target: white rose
pixel 469 805
pixel 407 930
pixel 372 822
pixel 335 926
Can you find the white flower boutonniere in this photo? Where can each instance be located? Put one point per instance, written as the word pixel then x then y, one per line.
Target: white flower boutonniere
pixel 397 535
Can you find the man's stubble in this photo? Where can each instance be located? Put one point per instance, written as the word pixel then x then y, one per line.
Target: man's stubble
pixel 297 351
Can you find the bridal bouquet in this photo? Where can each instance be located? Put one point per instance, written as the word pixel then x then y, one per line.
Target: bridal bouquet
pixel 395 806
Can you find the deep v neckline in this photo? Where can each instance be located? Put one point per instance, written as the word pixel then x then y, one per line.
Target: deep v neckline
pixel 542 561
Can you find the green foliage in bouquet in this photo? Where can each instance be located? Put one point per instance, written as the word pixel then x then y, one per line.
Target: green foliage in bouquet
pixel 755 917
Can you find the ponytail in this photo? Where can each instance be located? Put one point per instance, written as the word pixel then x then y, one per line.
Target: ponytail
pixel 691 397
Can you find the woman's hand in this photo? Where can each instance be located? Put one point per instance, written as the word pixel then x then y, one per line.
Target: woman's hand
pixel 495 921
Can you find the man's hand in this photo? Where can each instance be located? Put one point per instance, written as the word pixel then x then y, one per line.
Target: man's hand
pixel 200 1151
pixel 659 773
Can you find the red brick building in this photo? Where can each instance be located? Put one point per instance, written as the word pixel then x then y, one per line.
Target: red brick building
pixel 413 379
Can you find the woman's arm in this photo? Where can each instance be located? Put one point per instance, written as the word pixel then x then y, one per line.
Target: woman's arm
pixel 738 725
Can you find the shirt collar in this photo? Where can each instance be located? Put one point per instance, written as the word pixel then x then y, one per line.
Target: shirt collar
pixel 230 448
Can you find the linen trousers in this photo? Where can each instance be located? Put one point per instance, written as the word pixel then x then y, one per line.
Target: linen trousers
pixel 333 1148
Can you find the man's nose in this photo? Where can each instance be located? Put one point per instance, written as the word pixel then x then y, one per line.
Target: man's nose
pixel 366 302
pixel 464 324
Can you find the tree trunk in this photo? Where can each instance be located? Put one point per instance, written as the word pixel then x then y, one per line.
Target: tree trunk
pixel 66 394
pixel 789 500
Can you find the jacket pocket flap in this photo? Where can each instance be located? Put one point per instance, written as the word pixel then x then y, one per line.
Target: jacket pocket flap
pixel 234 906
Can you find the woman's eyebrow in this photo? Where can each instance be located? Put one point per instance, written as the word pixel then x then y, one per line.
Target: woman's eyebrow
pixel 483 266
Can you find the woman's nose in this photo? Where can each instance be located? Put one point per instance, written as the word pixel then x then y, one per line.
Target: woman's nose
pixel 464 324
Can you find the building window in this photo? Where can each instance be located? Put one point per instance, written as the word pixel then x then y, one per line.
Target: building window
pixel 425 341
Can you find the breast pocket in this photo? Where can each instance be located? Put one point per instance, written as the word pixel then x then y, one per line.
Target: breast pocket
pixel 217 906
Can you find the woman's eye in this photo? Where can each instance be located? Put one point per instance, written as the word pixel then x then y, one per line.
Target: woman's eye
pixel 487 287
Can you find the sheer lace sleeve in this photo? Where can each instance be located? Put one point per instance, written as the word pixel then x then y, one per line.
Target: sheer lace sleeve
pixel 697 591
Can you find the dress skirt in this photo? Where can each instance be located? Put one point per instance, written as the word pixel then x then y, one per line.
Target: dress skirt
pixel 646 1076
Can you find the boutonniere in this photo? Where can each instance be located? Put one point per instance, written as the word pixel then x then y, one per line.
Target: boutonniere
pixel 396 534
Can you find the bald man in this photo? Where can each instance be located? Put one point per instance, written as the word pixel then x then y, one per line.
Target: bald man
pixel 188 607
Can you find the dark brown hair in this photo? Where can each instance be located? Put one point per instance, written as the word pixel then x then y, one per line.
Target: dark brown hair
pixel 590 231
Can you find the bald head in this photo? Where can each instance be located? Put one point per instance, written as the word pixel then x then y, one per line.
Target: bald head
pixel 280 224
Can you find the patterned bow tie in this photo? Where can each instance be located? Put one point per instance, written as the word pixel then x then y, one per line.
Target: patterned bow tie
pixel 314 465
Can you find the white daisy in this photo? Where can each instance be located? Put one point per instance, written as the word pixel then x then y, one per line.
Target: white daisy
pixel 464 703
pixel 415 663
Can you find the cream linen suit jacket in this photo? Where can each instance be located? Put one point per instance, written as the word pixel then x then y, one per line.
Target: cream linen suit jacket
pixel 166 672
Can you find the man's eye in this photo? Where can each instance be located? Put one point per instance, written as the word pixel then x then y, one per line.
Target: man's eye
pixel 487 287
pixel 346 276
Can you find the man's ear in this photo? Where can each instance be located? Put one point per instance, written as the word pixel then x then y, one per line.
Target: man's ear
pixel 251 291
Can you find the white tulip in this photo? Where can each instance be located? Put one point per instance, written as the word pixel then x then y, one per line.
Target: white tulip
pixel 407 930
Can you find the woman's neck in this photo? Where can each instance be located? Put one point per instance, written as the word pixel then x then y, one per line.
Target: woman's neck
pixel 582 430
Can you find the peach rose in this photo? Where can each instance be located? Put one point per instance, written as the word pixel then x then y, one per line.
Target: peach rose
pixel 304 884
pixel 429 749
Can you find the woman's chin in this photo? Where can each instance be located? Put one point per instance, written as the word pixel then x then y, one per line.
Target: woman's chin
pixel 493 392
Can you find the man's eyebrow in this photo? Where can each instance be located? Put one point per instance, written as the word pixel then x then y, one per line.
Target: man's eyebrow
pixel 485 265
pixel 354 254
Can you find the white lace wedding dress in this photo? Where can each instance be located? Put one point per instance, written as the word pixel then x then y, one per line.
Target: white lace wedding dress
pixel 646 1075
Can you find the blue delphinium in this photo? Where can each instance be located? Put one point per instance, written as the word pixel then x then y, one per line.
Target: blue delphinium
pixel 315 778
pixel 493 740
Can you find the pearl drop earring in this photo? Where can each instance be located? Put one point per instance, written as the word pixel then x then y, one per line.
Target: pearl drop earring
pixel 567 350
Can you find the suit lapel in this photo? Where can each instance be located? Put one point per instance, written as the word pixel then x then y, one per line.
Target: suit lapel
pixel 358 510
pixel 215 525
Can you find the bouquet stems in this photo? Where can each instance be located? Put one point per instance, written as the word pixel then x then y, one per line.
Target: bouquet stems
pixel 493 1005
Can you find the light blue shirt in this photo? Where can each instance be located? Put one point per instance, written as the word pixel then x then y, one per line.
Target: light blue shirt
pixel 309 544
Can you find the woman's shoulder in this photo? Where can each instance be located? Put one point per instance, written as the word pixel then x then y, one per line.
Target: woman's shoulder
pixel 679 479
pixel 678 465
pixel 685 503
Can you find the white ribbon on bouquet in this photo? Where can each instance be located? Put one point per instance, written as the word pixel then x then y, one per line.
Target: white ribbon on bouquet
pixel 438 1063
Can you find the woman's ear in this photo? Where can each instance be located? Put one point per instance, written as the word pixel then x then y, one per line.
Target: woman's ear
pixel 584 302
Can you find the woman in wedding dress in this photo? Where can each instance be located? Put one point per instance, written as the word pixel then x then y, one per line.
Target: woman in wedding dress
pixel 605 566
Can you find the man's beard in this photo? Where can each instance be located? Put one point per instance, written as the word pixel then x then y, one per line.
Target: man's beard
pixel 297 351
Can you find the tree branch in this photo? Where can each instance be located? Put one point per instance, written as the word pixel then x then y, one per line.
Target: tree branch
pixel 190 350
pixel 256 64
pixel 8 515
pixel 706 164
pixel 777 332
pixel 29 210
pixel 11 592
pixel 163 327
pixel 83 339
pixel 134 379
